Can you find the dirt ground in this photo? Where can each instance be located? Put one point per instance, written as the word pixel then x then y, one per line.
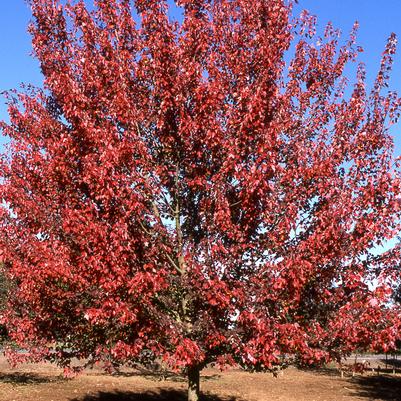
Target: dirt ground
pixel 44 383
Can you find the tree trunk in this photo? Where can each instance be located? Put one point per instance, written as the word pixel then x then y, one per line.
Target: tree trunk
pixel 193 383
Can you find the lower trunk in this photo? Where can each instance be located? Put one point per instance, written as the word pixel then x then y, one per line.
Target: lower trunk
pixel 193 383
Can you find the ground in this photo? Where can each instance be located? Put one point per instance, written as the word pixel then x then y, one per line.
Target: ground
pixel 43 383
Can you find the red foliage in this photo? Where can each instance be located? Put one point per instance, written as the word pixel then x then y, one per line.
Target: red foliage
pixel 183 191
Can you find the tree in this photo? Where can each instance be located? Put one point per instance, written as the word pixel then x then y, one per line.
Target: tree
pixel 4 289
pixel 180 191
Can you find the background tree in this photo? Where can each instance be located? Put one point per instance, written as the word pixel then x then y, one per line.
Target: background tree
pixel 180 191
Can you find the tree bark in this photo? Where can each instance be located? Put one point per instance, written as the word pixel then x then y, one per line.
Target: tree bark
pixel 193 383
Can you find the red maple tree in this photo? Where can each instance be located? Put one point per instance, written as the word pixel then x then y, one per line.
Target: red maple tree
pixel 195 192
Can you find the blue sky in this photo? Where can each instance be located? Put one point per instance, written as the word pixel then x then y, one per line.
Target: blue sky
pixel 377 20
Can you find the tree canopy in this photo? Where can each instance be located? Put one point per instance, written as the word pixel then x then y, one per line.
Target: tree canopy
pixel 207 190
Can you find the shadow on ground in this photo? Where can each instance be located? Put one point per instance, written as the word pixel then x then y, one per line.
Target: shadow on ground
pixel 164 376
pixel 323 371
pixel 161 395
pixel 383 388
pixel 27 378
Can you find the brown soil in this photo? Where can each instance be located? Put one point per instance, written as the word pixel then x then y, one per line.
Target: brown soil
pixel 43 383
